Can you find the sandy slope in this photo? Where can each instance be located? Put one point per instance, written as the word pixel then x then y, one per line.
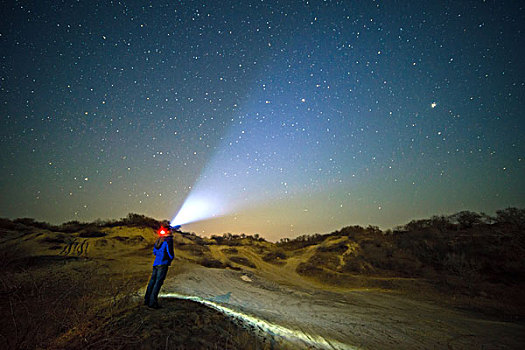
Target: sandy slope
pixel 278 301
pixel 360 319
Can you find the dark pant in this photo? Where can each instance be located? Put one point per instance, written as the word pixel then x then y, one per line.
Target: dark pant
pixel 157 278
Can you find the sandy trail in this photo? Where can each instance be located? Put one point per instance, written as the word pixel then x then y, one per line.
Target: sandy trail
pixel 309 317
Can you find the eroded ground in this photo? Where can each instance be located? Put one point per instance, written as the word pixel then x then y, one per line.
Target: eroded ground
pixel 365 319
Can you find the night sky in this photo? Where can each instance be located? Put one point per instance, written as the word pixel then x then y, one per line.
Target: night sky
pixel 293 117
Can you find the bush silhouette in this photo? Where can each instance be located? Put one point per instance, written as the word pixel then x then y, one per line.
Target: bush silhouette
pixel 467 219
pixel 139 220
pixel 512 216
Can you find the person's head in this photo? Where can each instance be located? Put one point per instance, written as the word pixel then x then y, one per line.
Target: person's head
pixel 164 231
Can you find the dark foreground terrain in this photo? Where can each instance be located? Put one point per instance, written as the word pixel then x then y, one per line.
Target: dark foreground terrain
pixel 75 303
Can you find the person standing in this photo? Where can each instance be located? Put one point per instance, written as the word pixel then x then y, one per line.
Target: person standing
pixel 163 251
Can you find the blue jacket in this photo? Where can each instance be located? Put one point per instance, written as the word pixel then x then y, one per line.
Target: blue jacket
pixel 163 251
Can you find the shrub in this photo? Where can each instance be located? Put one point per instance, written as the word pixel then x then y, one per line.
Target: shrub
pixel 230 250
pixel 466 219
pixel 326 260
pixel 441 223
pixel 71 226
pixel 230 240
pixel 512 216
pixel 7 224
pixel 33 223
pixel 351 231
pixel 354 264
pixel 275 256
pixel 59 238
pixel 194 249
pixel 242 261
pixel 417 225
pixel 129 240
pixel 301 241
pixel 213 263
pixel 140 221
pixel 92 234
pixel 460 264
pixel 338 248
pixel 308 269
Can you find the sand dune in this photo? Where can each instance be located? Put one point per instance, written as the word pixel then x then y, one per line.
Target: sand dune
pixel 355 319
pixel 346 290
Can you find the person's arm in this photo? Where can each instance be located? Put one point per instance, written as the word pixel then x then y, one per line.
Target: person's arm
pixel 170 249
pixel 155 248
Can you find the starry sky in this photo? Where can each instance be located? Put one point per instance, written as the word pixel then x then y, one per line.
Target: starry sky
pixel 293 117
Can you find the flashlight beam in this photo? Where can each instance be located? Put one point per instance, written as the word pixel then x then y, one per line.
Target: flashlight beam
pixel 198 207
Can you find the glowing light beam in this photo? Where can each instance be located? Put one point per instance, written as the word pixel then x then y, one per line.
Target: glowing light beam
pixel 198 207
pixel 291 335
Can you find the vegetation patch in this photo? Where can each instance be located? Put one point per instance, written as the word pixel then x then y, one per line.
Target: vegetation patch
pixel 237 240
pixel 230 251
pixel 194 249
pixel 309 270
pixel 91 234
pixel 338 248
pixel 242 261
pixel 59 238
pixel 277 257
pixel 213 263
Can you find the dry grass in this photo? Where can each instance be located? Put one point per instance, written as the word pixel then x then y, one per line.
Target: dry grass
pixel 71 302
pixel 45 297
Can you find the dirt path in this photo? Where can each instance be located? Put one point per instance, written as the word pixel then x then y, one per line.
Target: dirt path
pixel 309 317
